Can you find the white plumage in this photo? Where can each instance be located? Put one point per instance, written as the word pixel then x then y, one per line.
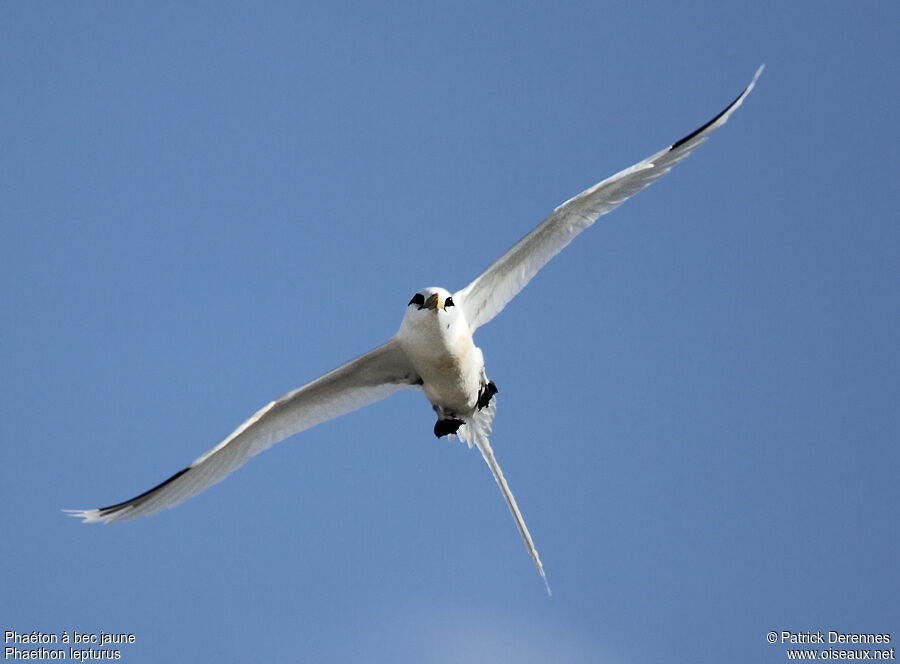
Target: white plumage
pixel 433 351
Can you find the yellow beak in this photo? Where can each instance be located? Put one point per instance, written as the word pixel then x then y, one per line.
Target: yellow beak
pixel 433 302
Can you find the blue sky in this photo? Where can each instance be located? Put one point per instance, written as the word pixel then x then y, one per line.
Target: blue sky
pixel 204 205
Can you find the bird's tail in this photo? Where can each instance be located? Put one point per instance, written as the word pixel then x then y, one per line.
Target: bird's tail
pixel 477 425
pixel 476 431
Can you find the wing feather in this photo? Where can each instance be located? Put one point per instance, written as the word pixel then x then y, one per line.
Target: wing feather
pixel 368 378
pixel 486 296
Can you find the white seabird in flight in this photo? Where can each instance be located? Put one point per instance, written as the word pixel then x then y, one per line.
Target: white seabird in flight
pixel 433 351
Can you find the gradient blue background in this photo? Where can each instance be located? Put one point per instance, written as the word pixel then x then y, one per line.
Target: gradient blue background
pixel 205 205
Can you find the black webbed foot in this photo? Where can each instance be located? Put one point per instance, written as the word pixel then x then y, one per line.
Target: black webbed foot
pixel 486 394
pixel 446 427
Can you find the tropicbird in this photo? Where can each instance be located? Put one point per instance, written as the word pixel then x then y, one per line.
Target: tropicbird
pixel 432 351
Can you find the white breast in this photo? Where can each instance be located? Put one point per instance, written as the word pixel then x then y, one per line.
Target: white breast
pixel 440 347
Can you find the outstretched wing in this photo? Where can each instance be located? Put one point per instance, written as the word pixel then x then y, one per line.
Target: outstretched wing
pixel 368 378
pixel 485 297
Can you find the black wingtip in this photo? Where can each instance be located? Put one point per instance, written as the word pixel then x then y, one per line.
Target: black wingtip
pixel 695 133
pixel 730 106
pixel 106 511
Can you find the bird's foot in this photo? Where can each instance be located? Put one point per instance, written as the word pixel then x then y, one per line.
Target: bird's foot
pixel 447 426
pixel 488 390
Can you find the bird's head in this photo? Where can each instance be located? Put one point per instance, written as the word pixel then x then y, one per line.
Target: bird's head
pixel 432 311
pixel 430 300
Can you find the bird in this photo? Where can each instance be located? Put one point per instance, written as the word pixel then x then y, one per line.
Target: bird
pixel 433 352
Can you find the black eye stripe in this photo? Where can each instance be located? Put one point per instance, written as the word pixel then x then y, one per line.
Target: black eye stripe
pixel 448 302
pixel 418 299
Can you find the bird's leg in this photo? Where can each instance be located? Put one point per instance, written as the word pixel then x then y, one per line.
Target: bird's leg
pixel 447 427
pixel 447 422
pixel 486 393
